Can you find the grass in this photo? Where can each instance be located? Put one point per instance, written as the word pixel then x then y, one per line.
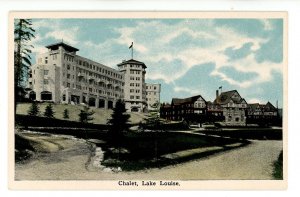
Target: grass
pixel 100 117
pixel 278 167
pixel 147 150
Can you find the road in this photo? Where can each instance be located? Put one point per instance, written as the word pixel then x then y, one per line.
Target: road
pixel 70 160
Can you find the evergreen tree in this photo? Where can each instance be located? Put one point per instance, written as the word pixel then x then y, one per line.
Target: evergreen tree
pixel 49 113
pixel 23 33
pixel 119 122
pixel 85 115
pixel 34 109
pixel 66 114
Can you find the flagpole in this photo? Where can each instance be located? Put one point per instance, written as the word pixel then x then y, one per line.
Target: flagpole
pixel 132 51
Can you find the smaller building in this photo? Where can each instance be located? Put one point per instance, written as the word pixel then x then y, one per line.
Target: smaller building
pixel 152 95
pixel 263 114
pixel 233 106
pixel 191 109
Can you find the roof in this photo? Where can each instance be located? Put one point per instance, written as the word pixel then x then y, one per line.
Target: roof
pixel 64 45
pixel 267 106
pixel 179 101
pixel 132 61
pixel 226 97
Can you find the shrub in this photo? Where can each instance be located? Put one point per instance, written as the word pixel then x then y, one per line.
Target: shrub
pixel 34 109
pixel 49 113
pixel 66 114
pixel 85 115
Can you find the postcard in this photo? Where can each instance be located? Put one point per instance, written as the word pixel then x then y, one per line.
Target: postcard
pixel 148 100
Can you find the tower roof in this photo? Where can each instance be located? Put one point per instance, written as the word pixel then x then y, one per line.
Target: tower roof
pixel 64 45
pixel 132 61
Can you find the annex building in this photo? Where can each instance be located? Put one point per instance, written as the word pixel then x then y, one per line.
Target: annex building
pixel 62 76
pixel 228 108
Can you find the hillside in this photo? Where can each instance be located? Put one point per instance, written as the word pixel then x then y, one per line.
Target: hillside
pixel 100 117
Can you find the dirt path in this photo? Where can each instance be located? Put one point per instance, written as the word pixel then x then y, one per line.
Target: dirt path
pixel 251 162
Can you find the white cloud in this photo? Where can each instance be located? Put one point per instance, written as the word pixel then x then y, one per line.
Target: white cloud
pixel 67 35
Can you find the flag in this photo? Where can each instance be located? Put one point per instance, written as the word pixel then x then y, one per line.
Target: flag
pixel 220 87
pixel 131 45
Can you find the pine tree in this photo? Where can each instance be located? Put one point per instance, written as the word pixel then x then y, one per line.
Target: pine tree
pixel 85 115
pixel 66 114
pixel 34 109
pixel 119 122
pixel 49 113
pixel 23 33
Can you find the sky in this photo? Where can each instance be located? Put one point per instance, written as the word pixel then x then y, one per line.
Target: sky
pixel 186 56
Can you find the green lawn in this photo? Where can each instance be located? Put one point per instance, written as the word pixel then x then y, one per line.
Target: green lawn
pixel 100 117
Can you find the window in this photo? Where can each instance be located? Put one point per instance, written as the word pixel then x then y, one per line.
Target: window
pixel 68 67
pixel 46 72
pixel 154 88
pixel 137 85
pixel 131 90
pixel 68 85
pixel 131 84
pixel 131 72
pixel 46 60
pixel 68 76
pixel 46 81
pixel 131 97
pixel 137 91
pixel 137 97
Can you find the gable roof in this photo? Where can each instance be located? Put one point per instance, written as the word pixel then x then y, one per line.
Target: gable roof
pixel 179 101
pixel 268 106
pixel 132 61
pixel 226 97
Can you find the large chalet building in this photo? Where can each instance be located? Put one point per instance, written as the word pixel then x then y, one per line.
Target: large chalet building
pixel 62 76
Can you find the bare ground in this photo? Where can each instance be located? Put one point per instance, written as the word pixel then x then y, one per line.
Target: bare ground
pixel 68 159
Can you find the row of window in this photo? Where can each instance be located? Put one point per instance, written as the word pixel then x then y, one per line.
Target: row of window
pixel 136 85
pixel 135 72
pixel 150 93
pixel 132 97
pixel 154 87
pixel 135 78
pixel 133 90
pixel 99 69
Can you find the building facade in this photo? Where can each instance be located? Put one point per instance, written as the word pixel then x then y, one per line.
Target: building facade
pixel 135 86
pixel 233 107
pixel 263 114
pixel 62 76
pixel 152 95
pixel 191 108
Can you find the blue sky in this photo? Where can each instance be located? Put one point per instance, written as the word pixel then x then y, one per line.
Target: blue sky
pixel 187 56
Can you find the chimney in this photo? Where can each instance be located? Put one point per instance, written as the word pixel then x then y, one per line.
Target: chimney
pixel 217 93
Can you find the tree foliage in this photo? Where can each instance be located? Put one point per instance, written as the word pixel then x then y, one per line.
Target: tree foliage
pixel 86 114
pixel 119 121
pixel 34 109
pixel 23 33
pixel 49 112
pixel 66 114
